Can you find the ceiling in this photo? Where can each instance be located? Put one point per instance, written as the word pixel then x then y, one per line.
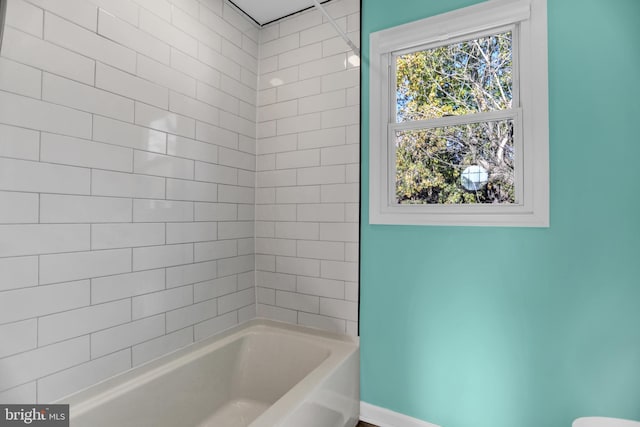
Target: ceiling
pixel 266 11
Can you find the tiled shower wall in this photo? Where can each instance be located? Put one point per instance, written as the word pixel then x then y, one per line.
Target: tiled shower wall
pixel 308 170
pixel 127 179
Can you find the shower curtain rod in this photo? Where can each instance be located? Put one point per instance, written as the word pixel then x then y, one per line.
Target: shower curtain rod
pixel 346 38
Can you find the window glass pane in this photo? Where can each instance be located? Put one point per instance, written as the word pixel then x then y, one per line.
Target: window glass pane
pixel 463 164
pixel 467 77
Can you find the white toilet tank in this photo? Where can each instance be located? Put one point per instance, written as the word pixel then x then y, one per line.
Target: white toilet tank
pixel 604 422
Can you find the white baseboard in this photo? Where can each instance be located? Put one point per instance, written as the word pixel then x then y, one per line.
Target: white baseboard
pixel 385 418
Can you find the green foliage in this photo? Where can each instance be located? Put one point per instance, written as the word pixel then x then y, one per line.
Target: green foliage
pixel 459 79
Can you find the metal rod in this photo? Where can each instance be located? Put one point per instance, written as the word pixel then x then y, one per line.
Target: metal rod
pixel 346 38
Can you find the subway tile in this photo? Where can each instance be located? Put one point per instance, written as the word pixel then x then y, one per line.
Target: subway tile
pixel 18 272
pixel 161 8
pixel 60 384
pixel 121 286
pixel 320 250
pixel 321 287
pixel 340 155
pixel 165 121
pixel 216 97
pixel 192 7
pixel 83 265
pixel 31 113
pixel 322 102
pixel 193 108
pixel 38 53
pixel 246 313
pixel 280 45
pixel 208 251
pixel 42 361
pixel 283 247
pixel 18 208
pixel 82 209
pixel 277 144
pixel 214 288
pixel 23 15
pixel 20 79
pixel 322 322
pixel 237 89
pixel 353 173
pixel 266 296
pixel 353 96
pixel 82 321
pixel 216 135
pixel 18 337
pixel 276 213
pixel 235 230
pixel 236 265
pixel 300 302
pixel 240 21
pixel 352 252
pixel 298 159
pixel 216 325
pixel 162 211
pixel 265 196
pixel 191 273
pixel 281 178
pixel 192 149
pixel 278 111
pixel 246 178
pixel 128 135
pixel 188 316
pixel 298 124
pixel 322 32
pixel 128 35
pixel 238 124
pixel 221 26
pixel 277 78
pixel 234 301
pixel 82 152
pixel 298 266
pixel 267 64
pixel 297 90
pixel 195 29
pixel 266 129
pixel 247 280
pixel 345 232
pixel 216 212
pixel 337 45
pixel 146 163
pixel 191 190
pixel 297 230
pixel 20 394
pixel 266 97
pixel 26 303
pixel 351 291
pixel 299 22
pixel 160 346
pixel 339 308
pixel 215 173
pixel 337 193
pixel 300 55
pixel 80 12
pixel 88 43
pixel 123 336
pixel 188 232
pixel 321 175
pixel 265 263
pixel 338 270
pixel 237 159
pixel 160 302
pixel 165 76
pixel 281 281
pixel 19 143
pixel 194 68
pixel 168 33
pixel 105 183
pixel 341 116
pixel 123 9
pixel 161 256
pixel 322 138
pixel 299 194
pixel 233 194
pixel 16 240
pixel 66 92
pixel 127 85
pixel 113 236
pixel 341 80
pixel 277 313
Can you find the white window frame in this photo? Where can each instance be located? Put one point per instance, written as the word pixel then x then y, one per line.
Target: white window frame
pixel 532 140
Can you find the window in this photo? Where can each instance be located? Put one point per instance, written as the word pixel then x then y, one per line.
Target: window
pixel 458 118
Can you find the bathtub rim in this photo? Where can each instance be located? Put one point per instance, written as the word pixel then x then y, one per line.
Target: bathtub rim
pixel 341 347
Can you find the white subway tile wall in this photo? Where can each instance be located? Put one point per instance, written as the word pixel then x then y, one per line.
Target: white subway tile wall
pixel 169 170
pixel 117 243
pixel 307 170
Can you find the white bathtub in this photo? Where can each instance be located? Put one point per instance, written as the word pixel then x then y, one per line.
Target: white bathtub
pixel 260 374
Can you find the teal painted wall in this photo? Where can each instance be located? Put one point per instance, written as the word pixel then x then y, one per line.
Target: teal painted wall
pixel 537 326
